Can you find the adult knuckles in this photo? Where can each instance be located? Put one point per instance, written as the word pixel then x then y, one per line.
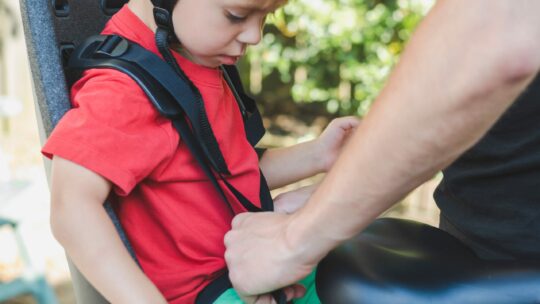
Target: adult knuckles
pixel 239 219
pixel 228 256
pixel 227 239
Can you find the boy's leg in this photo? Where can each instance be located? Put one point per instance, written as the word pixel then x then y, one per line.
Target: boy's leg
pixel 231 297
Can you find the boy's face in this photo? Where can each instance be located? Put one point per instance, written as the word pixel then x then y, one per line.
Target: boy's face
pixel 215 32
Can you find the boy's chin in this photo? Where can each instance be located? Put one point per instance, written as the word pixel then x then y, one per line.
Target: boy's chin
pixel 212 64
pixel 229 60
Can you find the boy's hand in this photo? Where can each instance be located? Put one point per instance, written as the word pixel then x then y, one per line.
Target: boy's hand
pixel 289 202
pixel 291 292
pixel 334 137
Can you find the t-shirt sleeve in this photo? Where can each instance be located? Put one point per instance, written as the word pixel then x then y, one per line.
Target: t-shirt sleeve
pixel 112 130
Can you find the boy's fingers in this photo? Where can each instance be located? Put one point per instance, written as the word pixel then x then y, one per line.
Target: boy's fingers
pixel 350 122
pixel 260 299
pixel 249 299
pixel 346 123
pixel 299 291
pixel 291 292
pixel 294 291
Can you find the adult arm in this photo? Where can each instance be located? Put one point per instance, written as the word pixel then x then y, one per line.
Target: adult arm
pixel 466 63
pixel 80 223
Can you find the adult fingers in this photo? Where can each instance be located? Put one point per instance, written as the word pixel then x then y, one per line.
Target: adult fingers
pixel 239 219
pixel 237 222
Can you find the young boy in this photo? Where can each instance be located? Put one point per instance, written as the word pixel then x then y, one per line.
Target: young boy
pixel 114 144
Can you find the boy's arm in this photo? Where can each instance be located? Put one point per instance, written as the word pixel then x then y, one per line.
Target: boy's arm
pixel 291 201
pixel 287 165
pixel 283 166
pixel 81 224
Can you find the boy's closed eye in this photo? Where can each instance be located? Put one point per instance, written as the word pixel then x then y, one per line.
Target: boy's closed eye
pixel 235 17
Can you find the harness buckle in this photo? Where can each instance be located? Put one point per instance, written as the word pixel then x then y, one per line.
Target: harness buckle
pixel 112 46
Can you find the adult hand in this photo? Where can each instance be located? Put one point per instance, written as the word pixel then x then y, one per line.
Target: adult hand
pixel 262 258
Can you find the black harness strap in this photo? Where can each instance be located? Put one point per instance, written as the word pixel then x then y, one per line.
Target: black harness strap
pixel 214 290
pixel 266 199
pixel 156 78
pixel 252 118
pixel 172 98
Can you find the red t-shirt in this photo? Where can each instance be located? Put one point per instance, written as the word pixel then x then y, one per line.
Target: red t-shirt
pixel 173 216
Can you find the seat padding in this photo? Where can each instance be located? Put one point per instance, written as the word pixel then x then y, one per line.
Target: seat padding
pixel 401 261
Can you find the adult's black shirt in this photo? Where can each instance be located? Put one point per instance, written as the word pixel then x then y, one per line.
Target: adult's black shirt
pixel 490 196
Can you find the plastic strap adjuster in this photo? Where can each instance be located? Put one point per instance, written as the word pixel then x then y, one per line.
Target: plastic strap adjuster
pixel 112 46
pixel 162 17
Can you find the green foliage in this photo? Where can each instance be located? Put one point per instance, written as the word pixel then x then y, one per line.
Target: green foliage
pixel 337 53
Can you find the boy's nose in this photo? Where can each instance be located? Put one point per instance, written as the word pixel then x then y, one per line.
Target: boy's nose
pixel 251 34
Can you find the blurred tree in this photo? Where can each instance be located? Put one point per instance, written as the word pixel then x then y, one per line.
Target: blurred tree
pixel 329 55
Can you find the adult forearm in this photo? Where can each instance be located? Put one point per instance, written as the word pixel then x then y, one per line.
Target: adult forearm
pixel 92 242
pixel 463 67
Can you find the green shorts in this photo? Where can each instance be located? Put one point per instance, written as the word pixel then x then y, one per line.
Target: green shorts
pixel 231 297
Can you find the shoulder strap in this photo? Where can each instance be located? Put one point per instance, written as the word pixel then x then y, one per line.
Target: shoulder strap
pixel 171 97
pixel 252 118
pixel 146 68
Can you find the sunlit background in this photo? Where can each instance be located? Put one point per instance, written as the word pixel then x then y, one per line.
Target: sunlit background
pixel 319 59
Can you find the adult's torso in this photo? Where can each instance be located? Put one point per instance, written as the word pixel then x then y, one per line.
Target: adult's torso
pixel 490 196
